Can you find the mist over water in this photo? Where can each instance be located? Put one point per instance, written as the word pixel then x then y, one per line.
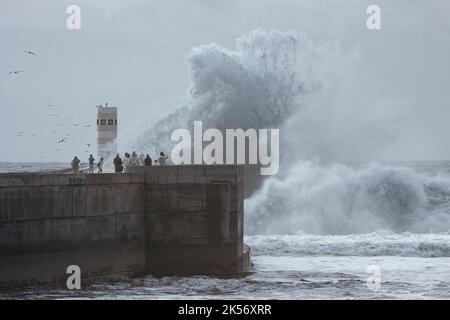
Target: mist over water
pixel 318 98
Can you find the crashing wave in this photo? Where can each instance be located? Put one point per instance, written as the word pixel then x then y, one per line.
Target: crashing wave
pixel 261 84
pixel 283 80
pixel 340 199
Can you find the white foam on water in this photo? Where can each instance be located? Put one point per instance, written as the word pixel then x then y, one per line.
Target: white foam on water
pixel 341 199
pixel 380 243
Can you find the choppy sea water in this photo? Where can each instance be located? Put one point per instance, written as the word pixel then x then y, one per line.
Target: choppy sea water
pixel 17 167
pixel 299 265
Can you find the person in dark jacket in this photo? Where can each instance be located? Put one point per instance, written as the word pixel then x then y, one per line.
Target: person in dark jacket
pixel 100 166
pixel 148 161
pixel 118 164
pixel 91 164
pixel 75 164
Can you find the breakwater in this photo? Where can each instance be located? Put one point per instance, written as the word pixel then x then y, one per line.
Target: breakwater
pixel 154 220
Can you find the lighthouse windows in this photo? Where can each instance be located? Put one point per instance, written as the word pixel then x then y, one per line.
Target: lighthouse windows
pixel 103 122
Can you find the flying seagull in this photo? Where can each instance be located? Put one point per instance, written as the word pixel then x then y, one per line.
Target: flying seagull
pixel 30 52
pixel 15 71
pixel 62 140
pixel 87 126
pixel 89 145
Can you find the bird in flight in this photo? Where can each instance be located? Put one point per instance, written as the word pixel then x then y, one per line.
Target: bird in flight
pixel 50 105
pixel 30 52
pixel 87 126
pixel 62 140
pixel 89 145
pixel 15 71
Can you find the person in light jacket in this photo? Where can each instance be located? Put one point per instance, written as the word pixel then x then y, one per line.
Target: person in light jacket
pixel 162 159
pixel 125 161
pixel 135 161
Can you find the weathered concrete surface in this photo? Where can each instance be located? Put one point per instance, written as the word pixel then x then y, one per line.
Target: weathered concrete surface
pixel 161 220
pixel 51 221
pixel 194 219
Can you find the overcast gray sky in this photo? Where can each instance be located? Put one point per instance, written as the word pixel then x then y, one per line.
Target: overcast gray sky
pixel 132 55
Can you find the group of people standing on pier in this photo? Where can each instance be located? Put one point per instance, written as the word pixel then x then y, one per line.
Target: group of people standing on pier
pixel 122 164
pixel 135 160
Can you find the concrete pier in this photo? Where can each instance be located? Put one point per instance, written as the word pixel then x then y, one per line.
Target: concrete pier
pixel 156 220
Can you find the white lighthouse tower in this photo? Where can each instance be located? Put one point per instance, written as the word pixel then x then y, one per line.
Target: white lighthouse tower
pixel 106 130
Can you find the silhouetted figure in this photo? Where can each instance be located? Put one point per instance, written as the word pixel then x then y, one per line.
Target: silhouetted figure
pixel 91 164
pixel 100 166
pixel 148 161
pixel 75 164
pixel 118 167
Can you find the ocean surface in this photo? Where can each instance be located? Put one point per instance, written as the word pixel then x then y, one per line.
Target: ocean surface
pixel 313 259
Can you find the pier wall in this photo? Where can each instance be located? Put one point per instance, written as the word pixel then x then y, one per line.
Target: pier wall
pixel 155 220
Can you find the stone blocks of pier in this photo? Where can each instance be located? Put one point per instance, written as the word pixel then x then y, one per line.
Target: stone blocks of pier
pixel 158 220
